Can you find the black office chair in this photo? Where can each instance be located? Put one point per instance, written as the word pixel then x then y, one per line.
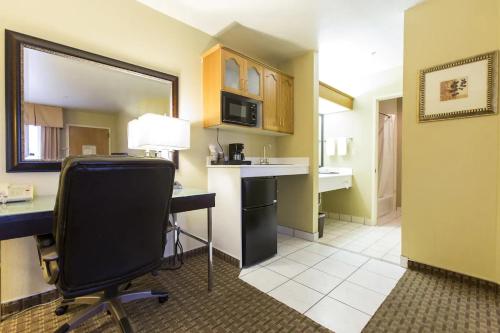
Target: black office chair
pixel 110 223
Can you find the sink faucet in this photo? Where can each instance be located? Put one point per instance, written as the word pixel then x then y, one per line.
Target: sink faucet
pixel 264 159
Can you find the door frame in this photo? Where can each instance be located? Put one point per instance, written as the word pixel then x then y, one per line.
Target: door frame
pixel 377 100
pixel 66 130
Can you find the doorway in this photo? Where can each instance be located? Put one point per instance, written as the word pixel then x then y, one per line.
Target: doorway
pixel 389 138
pixel 86 140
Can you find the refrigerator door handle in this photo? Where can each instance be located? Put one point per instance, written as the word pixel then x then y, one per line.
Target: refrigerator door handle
pixel 257 207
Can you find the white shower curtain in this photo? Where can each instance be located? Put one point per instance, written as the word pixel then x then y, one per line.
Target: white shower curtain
pixel 386 157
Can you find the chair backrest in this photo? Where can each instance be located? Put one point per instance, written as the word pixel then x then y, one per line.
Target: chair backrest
pixel 110 220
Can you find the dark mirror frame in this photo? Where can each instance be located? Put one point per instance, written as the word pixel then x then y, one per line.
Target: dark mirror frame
pixel 14 43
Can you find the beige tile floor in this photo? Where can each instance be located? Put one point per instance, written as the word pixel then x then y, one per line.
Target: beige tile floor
pixel 382 242
pixel 337 287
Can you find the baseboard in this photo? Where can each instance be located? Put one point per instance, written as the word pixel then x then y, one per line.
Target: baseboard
pixel 21 304
pixel 333 216
pixel 403 261
pixel 309 236
pixel 226 257
pixel 285 230
pixel 416 266
pixel 349 218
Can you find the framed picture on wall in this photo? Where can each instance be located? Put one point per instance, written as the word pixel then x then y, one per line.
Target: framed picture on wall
pixel 459 89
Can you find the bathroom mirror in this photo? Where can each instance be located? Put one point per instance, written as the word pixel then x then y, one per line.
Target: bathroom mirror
pixel 62 101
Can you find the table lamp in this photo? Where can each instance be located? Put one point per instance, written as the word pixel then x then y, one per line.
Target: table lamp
pixel 155 133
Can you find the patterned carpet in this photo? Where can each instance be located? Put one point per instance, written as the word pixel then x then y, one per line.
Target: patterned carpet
pixel 424 300
pixel 232 306
pixel 430 300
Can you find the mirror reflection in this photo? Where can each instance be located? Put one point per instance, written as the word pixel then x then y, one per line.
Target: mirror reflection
pixel 72 106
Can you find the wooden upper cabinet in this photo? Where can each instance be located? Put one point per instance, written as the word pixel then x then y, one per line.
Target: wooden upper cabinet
pixel 253 79
pixel 285 104
pixel 277 111
pixel 270 103
pixel 241 76
pixel 230 71
pixel 233 72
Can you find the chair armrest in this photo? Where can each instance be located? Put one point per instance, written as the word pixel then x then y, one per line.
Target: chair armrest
pixel 48 256
pixel 48 253
pixel 44 240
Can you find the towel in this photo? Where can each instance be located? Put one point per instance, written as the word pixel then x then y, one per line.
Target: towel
pixel 342 146
pixel 330 147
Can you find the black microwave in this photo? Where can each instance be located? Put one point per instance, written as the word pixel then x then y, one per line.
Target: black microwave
pixel 239 110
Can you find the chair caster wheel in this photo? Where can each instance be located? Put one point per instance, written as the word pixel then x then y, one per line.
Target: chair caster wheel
pixel 63 329
pixel 60 310
pixel 162 299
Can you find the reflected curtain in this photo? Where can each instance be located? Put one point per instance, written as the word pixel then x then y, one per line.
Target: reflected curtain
pixel 51 143
pixel 43 115
pixel 50 120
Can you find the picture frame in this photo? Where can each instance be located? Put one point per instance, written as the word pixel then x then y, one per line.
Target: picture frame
pixel 459 89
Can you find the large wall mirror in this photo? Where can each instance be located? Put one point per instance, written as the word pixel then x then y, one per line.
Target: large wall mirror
pixel 62 101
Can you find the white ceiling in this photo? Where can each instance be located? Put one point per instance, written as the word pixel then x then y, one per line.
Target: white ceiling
pixel 354 38
pixel 51 79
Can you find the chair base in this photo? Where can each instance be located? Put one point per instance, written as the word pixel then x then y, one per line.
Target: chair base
pixel 110 301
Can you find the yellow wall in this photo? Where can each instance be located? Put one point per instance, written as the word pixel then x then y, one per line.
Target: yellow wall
pixel 450 168
pixel 297 197
pixel 359 124
pixel 131 32
pixel 498 189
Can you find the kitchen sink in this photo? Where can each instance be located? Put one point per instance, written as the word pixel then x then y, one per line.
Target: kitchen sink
pixel 273 164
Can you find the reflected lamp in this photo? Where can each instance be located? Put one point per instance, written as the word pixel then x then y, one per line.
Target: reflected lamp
pixel 155 133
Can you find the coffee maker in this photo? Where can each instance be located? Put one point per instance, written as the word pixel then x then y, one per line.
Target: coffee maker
pixel 236 155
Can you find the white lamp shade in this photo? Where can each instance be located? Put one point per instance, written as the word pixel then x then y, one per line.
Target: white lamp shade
pixel 156 132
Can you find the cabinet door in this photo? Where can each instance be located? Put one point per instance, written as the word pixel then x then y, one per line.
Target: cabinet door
pixel 233 70
pixel 270 103
pixel 285 104
pixel 253 82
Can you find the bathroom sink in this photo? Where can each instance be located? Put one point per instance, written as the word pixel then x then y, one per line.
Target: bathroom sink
pixel 331 179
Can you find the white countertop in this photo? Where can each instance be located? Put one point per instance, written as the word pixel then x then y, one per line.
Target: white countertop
pixel 278 166
pixel 331 179
pixel 334 172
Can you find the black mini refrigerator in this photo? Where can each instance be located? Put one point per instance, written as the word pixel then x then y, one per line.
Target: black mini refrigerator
pixel 259 219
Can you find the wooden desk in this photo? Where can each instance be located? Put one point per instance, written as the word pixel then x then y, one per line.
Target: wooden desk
pixel 22 219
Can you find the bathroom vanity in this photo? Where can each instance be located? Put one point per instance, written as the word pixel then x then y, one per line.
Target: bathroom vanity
pixel 331 179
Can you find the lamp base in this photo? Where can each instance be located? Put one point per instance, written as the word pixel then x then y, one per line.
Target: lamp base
pixel 152 153
pixel 158 154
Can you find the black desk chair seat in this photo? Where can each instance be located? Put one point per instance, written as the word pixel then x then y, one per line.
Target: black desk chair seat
pixel 109 228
